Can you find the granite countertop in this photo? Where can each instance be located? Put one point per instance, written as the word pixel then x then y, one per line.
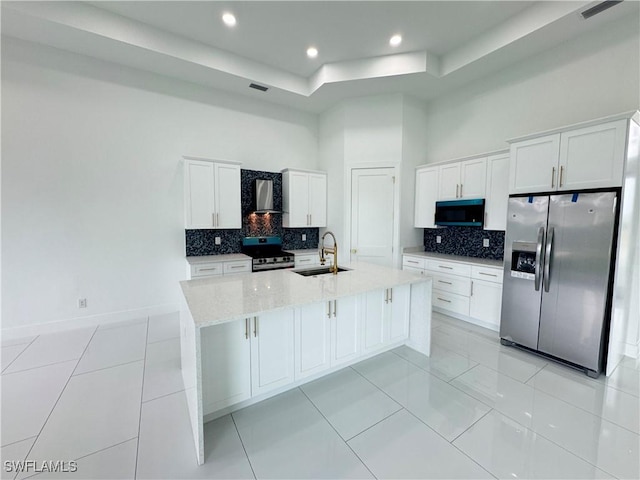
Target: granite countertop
pixel 485 262
pixel 221 299
pixel 230 257
pixel 305 251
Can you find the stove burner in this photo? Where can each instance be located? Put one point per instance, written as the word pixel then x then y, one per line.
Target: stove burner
pixel 267 253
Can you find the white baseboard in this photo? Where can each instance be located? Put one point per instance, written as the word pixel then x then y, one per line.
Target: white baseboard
pixel 88 321
pixel 632 351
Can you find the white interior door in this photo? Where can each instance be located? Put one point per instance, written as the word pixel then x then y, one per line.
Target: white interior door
pixel 372 205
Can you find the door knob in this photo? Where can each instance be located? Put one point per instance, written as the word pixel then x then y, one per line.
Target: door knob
pixel 354 250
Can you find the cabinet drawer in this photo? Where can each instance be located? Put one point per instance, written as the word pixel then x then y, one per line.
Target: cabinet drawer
pixel 450 301
pixel 241 266
pixel 306 260
pixel 449 267
pixel 489 274
pixel 409 268
pixel 452 284
pixel 414 262
pixel 206 269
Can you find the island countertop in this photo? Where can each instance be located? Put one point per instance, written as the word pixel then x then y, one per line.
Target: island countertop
pixel 221 299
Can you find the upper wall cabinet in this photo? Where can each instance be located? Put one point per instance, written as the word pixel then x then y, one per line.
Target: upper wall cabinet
pixel 589 157
pixel 304 201
pixel 427 181
pixel 497 198
pixel 212 194
pixel 463 179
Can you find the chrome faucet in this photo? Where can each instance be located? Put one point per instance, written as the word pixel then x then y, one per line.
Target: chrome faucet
pixel 333 251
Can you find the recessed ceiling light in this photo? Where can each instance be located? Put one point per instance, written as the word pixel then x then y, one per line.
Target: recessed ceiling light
pixel 229 19
pixel 312 52
pixel 395 40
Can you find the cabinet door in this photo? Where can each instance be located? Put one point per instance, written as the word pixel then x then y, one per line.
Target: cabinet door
pixel 593 157
pixel 399 299
pixel 272 351
pixel 227 195
pixel 226 365
pixel 374 331
pixel 296 200
pixel 497 197
pixel 345 331
pixel 312 339
pixel 534 165
pixel 473 178
pixel 449 188
pixel 199 194
pixel 306 260
pixel 486 302
pixel 426 195
pixel 317 200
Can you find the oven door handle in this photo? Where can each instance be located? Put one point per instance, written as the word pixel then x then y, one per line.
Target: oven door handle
pixel 539 260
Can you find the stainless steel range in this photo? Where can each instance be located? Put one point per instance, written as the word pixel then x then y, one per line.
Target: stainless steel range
pixel 267 253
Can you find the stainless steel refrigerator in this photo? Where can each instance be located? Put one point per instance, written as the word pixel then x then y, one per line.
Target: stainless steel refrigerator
pixel 558 275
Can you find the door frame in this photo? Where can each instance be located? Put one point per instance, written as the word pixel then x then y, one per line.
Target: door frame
pixel 396 258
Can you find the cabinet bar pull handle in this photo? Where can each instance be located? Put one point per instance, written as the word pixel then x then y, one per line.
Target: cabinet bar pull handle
pixel 386 296
pixel 310 219
pixel 246 328
pixel 553 177
pixel 448 283
pixel 207 269
pixel 329 309
pixel 238 266
pixel 488 274
pixel 460 190
pixel 335 307
pixel 213 219
pixel 411 261
pixel 255 326
pixel 457 186
pixel 391 295
pixel 561 174
pixel 448 301
pixel 442 266
pixel 472 288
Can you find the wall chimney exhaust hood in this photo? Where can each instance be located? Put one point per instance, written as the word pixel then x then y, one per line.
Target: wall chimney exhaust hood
pixel 264 197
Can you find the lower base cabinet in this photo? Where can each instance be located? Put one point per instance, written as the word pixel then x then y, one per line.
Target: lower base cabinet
pixel 485 302
pixel 253 356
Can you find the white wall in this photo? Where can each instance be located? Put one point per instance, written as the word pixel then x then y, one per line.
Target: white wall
pixel 92 191
pixel 595 75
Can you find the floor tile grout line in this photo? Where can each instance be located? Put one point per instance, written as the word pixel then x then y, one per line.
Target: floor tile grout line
pixel 338 433
pixel 376 386
pixel 42 366
pixel 243 447
pixel 59 397
pixel 163 340
pixel 18 441
pixel 27 345
pixel 162 396
pixel 144 367
pixel 107 368
pixel 491 409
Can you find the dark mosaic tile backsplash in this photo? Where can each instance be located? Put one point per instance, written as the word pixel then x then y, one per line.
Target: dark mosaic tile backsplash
pixel 465 241
pixel 202 242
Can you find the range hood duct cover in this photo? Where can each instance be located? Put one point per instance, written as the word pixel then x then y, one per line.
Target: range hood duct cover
pixel 264 196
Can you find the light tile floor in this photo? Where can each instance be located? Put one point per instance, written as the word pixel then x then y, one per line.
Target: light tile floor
pixel 111 399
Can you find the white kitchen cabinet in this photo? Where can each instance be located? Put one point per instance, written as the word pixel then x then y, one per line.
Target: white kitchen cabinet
pixel 226 365
pixel 592 157
pixel 345 331
pixel 306 260
pixel 466 179
pixel 497 192
pixel 223 265
pixel 486 295
pixel 534 164
pixel 304 201
pixel 588 157
pixel 426 195
pixel 313 339
pixel 272 351
pixel 386 317
pixel 212 194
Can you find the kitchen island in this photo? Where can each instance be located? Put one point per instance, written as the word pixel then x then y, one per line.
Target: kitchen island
pixel 245 338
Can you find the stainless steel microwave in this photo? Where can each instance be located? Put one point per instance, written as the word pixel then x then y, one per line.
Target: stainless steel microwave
pixel 463 213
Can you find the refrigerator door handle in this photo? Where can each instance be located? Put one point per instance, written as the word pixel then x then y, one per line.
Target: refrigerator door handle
pixel 539 261
pixel 547 261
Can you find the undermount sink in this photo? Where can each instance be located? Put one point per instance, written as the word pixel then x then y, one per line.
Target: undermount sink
pixel 312 272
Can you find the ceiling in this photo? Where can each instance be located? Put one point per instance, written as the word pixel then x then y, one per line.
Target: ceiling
pixel 445 44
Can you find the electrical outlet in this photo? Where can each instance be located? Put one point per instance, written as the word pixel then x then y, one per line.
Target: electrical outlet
pixel 218 240
pixel 438 239
pixel 82 303
pixel 304 237
pixel 485 242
